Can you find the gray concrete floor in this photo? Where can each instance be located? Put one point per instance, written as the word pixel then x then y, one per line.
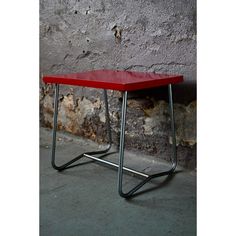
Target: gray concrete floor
pixel 84 200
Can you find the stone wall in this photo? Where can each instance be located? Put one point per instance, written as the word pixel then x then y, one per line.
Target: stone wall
pixel 142 35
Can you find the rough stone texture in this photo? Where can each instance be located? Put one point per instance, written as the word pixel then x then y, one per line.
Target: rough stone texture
pixel 155 36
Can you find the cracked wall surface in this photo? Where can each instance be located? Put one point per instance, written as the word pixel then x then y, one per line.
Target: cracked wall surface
pixel 152 35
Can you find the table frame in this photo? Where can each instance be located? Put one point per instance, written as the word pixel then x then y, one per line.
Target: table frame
pixel 120 166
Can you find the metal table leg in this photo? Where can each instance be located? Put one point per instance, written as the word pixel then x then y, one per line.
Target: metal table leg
pixel 67 164
pixel 120 166
pixel 122 144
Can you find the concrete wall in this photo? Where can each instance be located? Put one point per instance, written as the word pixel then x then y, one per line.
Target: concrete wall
pixel 142 35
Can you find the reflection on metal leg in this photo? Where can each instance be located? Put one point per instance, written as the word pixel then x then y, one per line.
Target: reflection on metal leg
pixel 122 144
pixel 54 131
pixel 107 118
pixel 120 166
pixel 174 154
pixel 64 166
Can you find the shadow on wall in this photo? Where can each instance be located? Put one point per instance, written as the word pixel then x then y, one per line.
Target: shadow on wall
pixel 183 93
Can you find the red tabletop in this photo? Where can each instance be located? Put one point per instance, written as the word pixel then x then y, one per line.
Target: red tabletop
pixel 114 79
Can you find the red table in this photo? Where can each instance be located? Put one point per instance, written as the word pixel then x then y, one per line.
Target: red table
pixel 123 81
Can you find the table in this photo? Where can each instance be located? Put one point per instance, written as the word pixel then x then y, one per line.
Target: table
pixel 123 81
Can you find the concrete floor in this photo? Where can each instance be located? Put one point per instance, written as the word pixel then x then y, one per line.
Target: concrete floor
pixel 84 200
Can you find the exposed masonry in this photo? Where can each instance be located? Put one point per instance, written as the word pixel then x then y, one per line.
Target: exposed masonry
pixel 154 36
pixel 151 120
pixel 148 122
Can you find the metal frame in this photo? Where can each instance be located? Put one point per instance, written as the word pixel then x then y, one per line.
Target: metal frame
pixel 120 166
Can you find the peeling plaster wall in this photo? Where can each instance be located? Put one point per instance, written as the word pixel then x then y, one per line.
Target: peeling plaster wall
pixel 141 35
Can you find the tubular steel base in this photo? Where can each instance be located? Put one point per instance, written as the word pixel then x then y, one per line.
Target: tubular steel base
pixel 121 168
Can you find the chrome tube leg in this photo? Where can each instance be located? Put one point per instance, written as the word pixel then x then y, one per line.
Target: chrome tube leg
pixel 108 127
pixel 131 192
pixel 171 107
pixel 120 166
pixel 54 135
pixel 54 132
pixel 122 144
pixel 107 118
pixel 53 154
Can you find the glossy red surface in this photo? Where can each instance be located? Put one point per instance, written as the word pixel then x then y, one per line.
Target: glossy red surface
pixel 115 80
